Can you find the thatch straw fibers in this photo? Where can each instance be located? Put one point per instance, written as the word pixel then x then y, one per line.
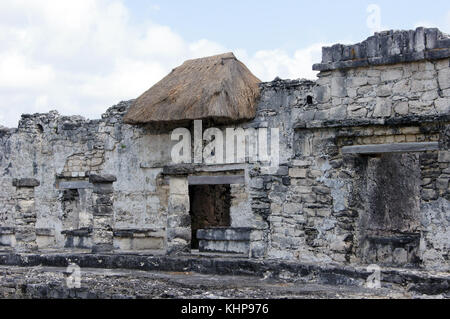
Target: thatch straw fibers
pixel 218 88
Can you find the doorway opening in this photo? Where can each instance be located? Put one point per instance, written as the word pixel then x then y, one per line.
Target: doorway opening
pixel 209 207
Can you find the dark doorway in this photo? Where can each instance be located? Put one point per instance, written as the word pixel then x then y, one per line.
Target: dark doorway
pixel 209 207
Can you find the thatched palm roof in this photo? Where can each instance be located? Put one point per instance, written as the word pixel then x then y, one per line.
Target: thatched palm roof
pixel 219 88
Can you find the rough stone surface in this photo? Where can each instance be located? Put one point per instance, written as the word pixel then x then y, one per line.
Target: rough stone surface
pixel 105 179
pixel 402 283
pixel 388 47
pixel 91 181
pixel 25 182
pixel 50 283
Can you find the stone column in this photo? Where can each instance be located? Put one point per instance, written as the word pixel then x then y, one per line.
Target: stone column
pixel 178 219
pixel 103 199
pixel 25 214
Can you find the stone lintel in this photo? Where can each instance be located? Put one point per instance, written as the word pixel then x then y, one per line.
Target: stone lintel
pixel 216 180
pixel 49 232
pixel 82 232
pixel 25 182
pixel 102 179
pixel 186 169
pixel 142 232
pixel 7 231
pixel 75 185
pixel 391 148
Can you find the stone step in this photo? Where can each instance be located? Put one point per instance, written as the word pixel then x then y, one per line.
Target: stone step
pixel 225 240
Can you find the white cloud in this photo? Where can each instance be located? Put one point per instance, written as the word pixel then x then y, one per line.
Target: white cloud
pixel 443 24
pixel 447 21
pixel 426 24
pixel 205 47
pixel 80 57
pixel 16 71
pixel 268 64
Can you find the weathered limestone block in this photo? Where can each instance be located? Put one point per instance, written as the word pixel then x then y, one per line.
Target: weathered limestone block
pixel 444 157
pixel 297 172
pixel 383 108
pixel 102 179
pixel 444 78
pixel 7 237
pixel 292 208
pixel 178 186
pixel 138 239
pixel 391 75
pixel 357 111
pixel 25 182
pixel 179 204
pixel 338 88
pixel 442 105
pixel 401 108
pixel 232 240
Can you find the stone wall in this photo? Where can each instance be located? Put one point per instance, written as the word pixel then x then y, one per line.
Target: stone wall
pixel 320 204
pixel 314 206
pixel 380 101
pixel 61 152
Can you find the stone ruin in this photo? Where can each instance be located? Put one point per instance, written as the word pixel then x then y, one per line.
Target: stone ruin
pixel 363 175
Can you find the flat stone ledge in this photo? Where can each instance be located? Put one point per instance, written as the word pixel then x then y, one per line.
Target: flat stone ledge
pixel 155 164
pixel 102 179
pixel 388 47
pixel 364 122
pixel 82 232
pixel 48 232
pixel 25 182
pixel 390 148
pixel 186 169
pixel 138 233
pixel 7 231
pixel 228 234
pixel 75 185
pixel 430 55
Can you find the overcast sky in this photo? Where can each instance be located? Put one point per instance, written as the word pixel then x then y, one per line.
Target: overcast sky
pixel 82 56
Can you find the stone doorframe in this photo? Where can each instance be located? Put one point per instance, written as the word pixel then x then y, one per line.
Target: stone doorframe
pixel 180 177
pixel 400 240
